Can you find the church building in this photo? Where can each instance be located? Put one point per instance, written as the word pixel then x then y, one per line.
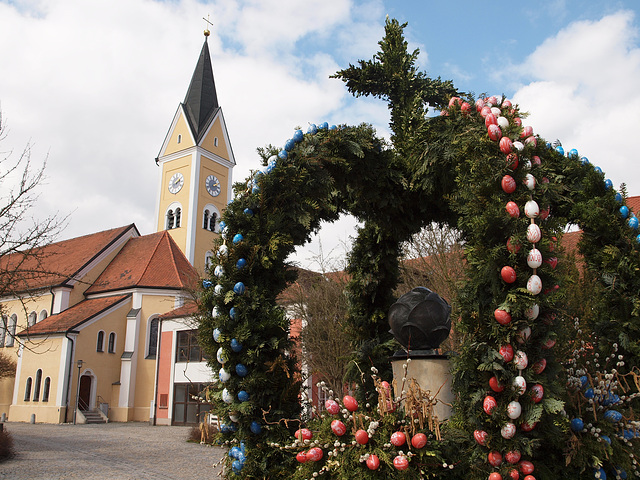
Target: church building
pixel 102 327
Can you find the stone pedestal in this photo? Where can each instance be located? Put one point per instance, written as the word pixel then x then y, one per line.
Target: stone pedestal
pixel 431 372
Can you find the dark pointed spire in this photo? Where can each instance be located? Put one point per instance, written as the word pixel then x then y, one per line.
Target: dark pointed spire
pixel 201 100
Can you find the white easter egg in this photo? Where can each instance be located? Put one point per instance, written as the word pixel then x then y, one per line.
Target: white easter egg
pixel 532 312
pixel 531 209
pixel 520 360
pixel 520 385
pixel 530 180
pixel 508 430
pixel 514 410
pixel 534 258
pixel 534 234
pixel 534 284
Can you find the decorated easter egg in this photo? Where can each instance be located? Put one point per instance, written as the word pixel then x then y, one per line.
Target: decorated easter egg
pixel 519 385
pixel 534 234
pixel 490 119
pixel 526 132
pixel 223 375
pixel 218 271
pixel 226 396
pixel 534 284
pixel 338 428
pixel 506 145
pixel 527 427
pixel 613 416
pixel 502 316
pixel 512 161
pixel 313 129
pixel 553 262
pixel 520 360
pixel 512 456
pixel 221 356
pixel 496 111
pixel 519 146
pixel 303 434
pixel 508 184
pixel 236 346
pixel 539 366
pixel 508 430
pixel 315 454
pixel 217 333
pixel 237 238
pixel 241 263
pixel 241 370
pixel 255 428
pixel 535 161
pixel 218 289
pixel 350 403
pixel 531 209
pixel 223 250
pixel 495 476
pixel 362 437
pixel 502 122
pixel 301 457
pixel 514 474
pixel 484 111
pixel 495 385
pixel 480 436
pixel 549 344
pixel 506 351
pixel 514 409
pixel 512 209
pixel 513 245
pixel 298 136
pixel 508 274
pixel 479 104
pixel 398 439
pixel 401 462
pixel 537 392
pixel 526 467
pixel 489 404
pixel 576 424
pixel 373 462
pixel 494 458
pixel 534 258
pixel 243 396
pixel 419 440
pixel 532 312
pixel 332 407
pixel 529 181
pixel 494 132
pixel 465 107
pixel 239 288
pixel 524 334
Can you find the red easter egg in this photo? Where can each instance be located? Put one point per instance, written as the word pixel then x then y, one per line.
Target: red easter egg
pixel 538 392
pixel 490 119
pixel 508 274
pixel 398 438
pixel 502 316
pixel 362 437
pixel 526 467
pixel 486 110
pixel 549 344
pixel 495 385
pixel 338 428
pixel 535 160
pixel 303 434
pixel 419 440
pixel 332 407
pixel 489 404
pixel 539 366
pixel 507 352
pixel 480 436
pixel 495 476
pixel 494 132
pixel 517 121
pixel 513 245
pixel 512 209
pixel 444 113
pixel 512 457
pixel 301 457
pixel 514 474
pixel 531 141
pixel 373 462
pixel 315 454
pixel 527 427
pixel 453 101
pixel 465 107
pixel 506 145
pixel 507 104
pixel 401 462
pixel 526 132
pixel 492 100
pixel 512 161
pixel 529 477
pixel 350 403
pixel 479 104
pixel 553 262
pixel 508 184
pixel 494 458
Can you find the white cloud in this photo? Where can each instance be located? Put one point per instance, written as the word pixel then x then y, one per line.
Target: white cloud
pixel 584 92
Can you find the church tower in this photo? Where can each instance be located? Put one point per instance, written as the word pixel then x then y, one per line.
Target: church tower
pixel 197 164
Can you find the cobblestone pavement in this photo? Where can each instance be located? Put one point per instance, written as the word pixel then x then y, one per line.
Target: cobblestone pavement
pixel 115 451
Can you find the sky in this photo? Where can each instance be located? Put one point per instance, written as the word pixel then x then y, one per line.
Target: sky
pixel 92 85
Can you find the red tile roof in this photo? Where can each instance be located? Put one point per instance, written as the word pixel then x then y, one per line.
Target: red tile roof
pixel 189 309
pixel 74 316
pixel 151 261
pixel 57 263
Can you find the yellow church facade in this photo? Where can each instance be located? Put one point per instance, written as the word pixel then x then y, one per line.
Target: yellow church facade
pixel 102 327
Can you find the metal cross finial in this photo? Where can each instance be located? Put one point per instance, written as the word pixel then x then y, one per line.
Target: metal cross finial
pixel 206 30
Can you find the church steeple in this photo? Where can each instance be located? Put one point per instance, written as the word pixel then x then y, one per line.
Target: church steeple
pixel 201 101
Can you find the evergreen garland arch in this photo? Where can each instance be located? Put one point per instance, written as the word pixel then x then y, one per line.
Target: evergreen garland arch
pixel 445 169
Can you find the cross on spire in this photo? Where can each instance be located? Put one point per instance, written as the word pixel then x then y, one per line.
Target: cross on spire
pixel 206 29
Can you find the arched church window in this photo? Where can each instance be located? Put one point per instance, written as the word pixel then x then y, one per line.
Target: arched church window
pixel 152 342
pixel 100 342
pixel 212 222
pixel 43 315
pixel 27 390
pixel 36 388
pixel 46 388
pixel 206 219
pixel 170 219
pixel 3 329
pixel 31 321
pixel 11 330
pixel 178 217
pixel 111 348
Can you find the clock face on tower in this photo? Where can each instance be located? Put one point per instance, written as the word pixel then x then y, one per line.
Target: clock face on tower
pixel 213 185
pixel 176 182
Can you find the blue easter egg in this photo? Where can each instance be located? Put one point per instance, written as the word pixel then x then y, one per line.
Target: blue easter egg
pixel 241 370
pixel 232 313
pixel 224 428
pixel 283 155
pixel 216 334
pixel 573 153
pixel 233 427
pixel 624 211
pixel 606 439
pixel 312 129
pixel 323 126
pixel 256 428
pixel 270 167
pixel 206 283
pixel 577 424
pixel 236 346
pixel 241 263
pixel 618 197
pixel 597 169
pixel 620 472
pixel 237 466
pixel 233 452
pixel 243 396
pixel 613 416
pixel 248 211
pixel 239 288
pixel 257 175
pixel 223 224
pixel 289 144
pixel 584 160
pixel 608 184
pixel 298 136
pixel 237 238
pixel 599 473
pixel 589 393
pixel 332 127
pixel 584 380
pixel 638 238
pixel 633 222
pixel 560 150
pixel 255 189
pixel 549 146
